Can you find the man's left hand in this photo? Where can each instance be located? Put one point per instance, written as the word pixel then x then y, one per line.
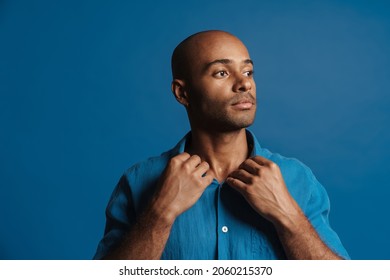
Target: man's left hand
pixel 260 181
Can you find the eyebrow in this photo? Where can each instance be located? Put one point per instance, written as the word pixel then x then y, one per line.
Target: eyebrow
pixel 225 61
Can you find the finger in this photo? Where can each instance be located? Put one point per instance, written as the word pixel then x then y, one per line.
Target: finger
pixel 261 160
pixel 182 157
pixel 251 166
pixel 236 184
pixel 207 179
pixel 242 175
pixel 202 168
pixel 193 161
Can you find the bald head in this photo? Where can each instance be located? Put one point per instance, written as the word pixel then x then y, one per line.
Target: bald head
pixel 186 54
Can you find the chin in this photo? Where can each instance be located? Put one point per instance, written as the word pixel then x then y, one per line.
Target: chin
pixel 234 126
pixel 228 121
pixel 243 122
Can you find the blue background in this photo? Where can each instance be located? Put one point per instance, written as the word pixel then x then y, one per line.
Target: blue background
pixel 85 93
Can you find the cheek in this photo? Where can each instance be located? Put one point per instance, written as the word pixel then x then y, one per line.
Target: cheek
pixel 253 91
pixel 206 95
pixel 207 102
pixel 211 94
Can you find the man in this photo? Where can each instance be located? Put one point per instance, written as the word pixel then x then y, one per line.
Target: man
pixel 218 194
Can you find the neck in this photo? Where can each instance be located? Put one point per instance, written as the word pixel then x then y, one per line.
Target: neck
pixel 224 152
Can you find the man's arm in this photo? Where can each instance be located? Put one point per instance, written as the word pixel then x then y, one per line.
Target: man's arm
pixel 146 239
pixel 180 187
pixel 260 181
pixel 301 241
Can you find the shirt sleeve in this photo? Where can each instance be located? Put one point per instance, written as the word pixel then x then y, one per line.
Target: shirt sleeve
pixel 318 214
pixel 120 215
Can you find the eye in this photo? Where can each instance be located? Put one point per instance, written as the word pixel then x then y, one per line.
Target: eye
pixel 249 73
pixel 221 74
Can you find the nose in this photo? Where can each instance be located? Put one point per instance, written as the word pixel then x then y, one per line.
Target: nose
pixel 242 84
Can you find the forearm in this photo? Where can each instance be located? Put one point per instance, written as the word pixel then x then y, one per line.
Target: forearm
pixel 300 240
pixel 146 239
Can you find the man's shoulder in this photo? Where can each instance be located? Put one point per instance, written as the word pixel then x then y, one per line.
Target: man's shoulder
pixel 298 177
pixel 295 173
pixel 289 165
pixel 141 178
pixel 150 166
pixel 156 164
pixel 145 173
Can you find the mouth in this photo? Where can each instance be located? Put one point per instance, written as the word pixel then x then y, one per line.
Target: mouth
pixel 243 104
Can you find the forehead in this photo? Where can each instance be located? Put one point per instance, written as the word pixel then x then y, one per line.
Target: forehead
pixel 210 47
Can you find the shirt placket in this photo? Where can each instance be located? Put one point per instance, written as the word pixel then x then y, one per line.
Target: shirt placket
pixel 222 227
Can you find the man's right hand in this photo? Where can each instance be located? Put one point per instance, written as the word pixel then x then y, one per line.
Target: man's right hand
pixel 180 186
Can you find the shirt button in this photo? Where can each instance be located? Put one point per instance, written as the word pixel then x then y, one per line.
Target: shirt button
pixel 225 229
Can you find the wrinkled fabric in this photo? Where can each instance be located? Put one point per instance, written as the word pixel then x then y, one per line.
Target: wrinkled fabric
pixel 221 224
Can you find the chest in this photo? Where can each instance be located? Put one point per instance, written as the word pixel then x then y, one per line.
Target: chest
pixel 222 225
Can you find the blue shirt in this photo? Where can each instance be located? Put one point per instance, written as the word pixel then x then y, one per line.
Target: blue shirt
pixel 221 224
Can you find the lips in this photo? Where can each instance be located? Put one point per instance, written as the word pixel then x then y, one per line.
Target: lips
pixel 243 104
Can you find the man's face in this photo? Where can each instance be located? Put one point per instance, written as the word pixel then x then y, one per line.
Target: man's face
pixel 222 92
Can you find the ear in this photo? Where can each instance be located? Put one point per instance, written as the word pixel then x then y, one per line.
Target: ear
pixel 179 91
